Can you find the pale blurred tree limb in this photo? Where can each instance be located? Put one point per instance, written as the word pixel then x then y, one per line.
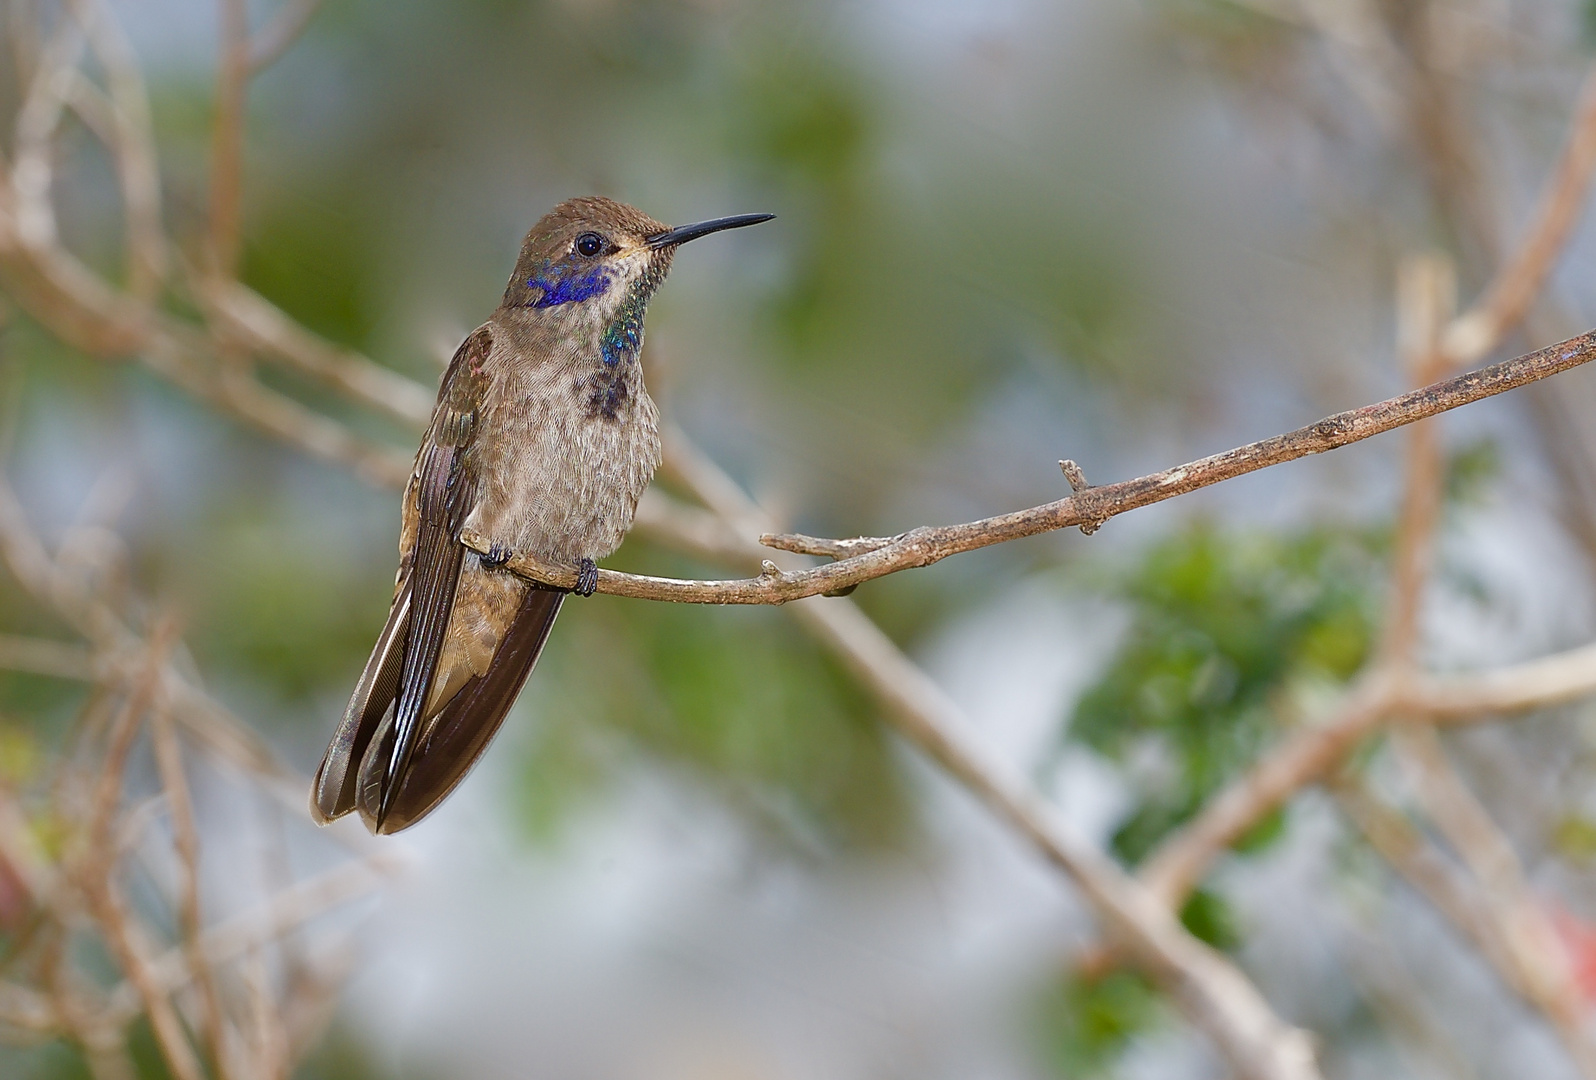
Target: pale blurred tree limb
pixel 94 315
pixel 1319 747
pixel 1492 903
pixel 1531 957
pixel 207 1017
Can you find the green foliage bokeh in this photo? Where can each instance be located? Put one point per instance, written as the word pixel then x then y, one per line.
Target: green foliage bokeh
pixel 1221 626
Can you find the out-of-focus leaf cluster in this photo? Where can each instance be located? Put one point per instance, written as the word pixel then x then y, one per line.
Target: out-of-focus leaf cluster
pixel 1084 1021
pixel 1223 626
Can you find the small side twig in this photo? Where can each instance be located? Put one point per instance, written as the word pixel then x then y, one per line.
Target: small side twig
pixel 1078 483
pixel 132 143
pixel 801 544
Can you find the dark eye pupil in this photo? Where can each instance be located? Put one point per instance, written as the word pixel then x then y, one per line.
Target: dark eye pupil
pixel 590 243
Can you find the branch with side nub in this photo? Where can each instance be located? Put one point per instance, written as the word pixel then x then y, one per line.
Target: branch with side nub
pixel 863 559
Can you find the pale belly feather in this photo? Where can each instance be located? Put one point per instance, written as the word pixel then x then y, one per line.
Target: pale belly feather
pixel 557 481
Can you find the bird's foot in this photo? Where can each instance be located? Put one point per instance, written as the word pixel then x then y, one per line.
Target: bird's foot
pixel 496 556
pixel 586 578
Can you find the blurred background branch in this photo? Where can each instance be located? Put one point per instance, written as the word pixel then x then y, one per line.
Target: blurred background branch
pixel 79 882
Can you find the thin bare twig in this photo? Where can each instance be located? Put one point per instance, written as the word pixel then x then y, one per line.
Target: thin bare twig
pixel 1427 295
pixel 83 311
pixel 928 544
pixel 1534 684
pixel 42 109
pixel 283 913
pixel 801 544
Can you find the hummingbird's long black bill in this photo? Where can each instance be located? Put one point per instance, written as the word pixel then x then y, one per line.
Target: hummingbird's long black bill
pixel 683 233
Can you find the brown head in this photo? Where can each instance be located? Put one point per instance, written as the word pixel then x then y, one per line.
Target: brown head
pixel 593 261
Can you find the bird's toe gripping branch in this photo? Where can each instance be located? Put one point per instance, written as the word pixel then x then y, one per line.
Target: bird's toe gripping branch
pixel 586 578
pixel 496 555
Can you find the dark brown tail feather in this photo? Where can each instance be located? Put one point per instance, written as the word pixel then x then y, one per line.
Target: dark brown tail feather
pixel 333 793
pixel 451 741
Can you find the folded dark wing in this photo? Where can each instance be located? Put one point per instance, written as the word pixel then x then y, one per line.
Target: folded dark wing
pixel 445 493
pixel 404 664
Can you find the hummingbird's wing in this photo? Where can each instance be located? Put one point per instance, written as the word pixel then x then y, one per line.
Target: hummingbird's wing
pixel 403 664
pixel 445 492
pixel 333 793
pixel 451 741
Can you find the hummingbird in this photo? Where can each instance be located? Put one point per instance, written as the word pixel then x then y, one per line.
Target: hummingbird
pixel 542 440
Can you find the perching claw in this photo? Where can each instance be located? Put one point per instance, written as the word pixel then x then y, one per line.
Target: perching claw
pixel 496 555
pixel 586 578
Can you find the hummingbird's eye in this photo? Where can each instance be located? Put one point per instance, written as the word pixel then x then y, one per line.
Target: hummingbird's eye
pixel 589 244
